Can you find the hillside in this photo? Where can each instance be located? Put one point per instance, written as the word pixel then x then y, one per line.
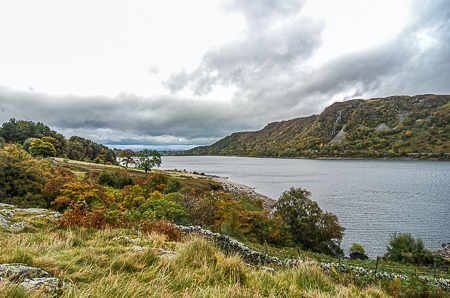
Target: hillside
pixel 392 126
pixel 77 148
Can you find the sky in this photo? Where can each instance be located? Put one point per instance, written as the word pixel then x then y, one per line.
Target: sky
pixel 174 74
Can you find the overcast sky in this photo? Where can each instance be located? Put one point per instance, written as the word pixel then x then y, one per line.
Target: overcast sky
pixel 176 73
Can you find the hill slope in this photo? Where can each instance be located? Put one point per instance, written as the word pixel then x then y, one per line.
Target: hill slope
pixel 391 126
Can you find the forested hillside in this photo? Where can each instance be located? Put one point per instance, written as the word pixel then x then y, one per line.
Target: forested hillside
pixel 393 126
pixel 77 148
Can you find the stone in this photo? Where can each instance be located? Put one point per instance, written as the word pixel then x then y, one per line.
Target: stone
pixel 8 212
pixel 4 222
pixel 18 225
pixel 18 272
pixel 356 255
pixel 32 278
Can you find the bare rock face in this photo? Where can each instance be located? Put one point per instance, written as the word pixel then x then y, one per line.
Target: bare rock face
pixel 381 127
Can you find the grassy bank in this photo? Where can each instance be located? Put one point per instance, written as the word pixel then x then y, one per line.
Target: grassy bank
pixel 96 266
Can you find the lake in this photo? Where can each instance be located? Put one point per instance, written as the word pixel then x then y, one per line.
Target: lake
pixel 372 198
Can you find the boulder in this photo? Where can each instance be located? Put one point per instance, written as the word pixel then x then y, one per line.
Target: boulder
pixel 356 255
pixel 4 222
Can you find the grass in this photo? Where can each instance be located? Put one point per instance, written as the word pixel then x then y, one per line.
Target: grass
pixel 99 267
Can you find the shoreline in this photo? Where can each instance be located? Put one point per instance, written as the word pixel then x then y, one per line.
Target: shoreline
pixel 241 189
pixel 332 158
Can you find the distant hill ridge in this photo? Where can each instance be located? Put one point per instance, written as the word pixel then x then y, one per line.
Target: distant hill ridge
pixel 394 126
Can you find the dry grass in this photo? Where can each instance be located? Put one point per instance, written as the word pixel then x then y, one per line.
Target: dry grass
pixel 99 267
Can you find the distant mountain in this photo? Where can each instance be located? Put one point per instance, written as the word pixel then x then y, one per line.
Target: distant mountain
pixel 379 127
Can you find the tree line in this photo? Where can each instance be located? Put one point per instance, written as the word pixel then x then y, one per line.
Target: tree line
pixel 39 140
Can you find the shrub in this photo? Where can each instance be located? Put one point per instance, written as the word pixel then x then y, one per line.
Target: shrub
pixel 356 247
pixel 172 186
pixel 116 179
pixel 164 209
pixel 404 247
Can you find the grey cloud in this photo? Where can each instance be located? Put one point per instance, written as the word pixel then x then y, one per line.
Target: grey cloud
pixel 260 13
pixel 153 69
pixel 126 117
pixel 177 81
pixel 262 57
pixel 269 69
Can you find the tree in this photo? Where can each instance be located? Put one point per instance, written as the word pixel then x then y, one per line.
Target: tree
pixel 309 226
pixel 127 155
pixel 57 144
pixel 40 148
pixel 356 247
pixel 22 178
pixel 147 159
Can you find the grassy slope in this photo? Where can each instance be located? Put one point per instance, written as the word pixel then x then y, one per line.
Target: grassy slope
pixel 99 267
pixel 426 116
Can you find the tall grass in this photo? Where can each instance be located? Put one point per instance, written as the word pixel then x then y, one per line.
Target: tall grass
pixel 95 266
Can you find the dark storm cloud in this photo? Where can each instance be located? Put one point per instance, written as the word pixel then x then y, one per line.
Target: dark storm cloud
pixel 125 118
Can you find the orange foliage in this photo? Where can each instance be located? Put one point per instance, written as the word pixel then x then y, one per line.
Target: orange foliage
pixel 162 227
pixel 161 187
pixel 81 216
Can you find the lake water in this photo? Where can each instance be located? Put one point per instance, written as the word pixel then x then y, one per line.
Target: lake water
pixel 372 198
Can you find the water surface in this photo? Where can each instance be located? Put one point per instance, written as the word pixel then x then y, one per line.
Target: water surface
pixel 372 198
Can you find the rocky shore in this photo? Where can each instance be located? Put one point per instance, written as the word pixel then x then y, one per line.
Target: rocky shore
pixel 241 189
pixel 444 252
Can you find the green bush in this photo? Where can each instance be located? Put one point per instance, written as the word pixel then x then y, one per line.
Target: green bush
pixel 172 186
pixel 163 208
pixel 405 248
pixel 116 179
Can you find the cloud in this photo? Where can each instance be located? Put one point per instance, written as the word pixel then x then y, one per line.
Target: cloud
pixel 269 67
pixel 177 81
pixel 127 118
pixel 269 64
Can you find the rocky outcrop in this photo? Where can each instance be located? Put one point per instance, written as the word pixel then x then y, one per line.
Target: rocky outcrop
pixel 18 226
pixel 8 212
pixel 4 222
pixel 356 255
pixel 31 278
pixel 381 127
pixel 339 137
pixel 248 255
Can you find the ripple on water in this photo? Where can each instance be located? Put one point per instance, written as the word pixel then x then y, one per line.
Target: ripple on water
pixel 372 198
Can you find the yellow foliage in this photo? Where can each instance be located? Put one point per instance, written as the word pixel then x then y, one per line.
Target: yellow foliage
pixel 156 195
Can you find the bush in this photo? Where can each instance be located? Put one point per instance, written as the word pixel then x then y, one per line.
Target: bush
pixel 403 247
pixel 164 209
pixel 117 179
pixel 172 186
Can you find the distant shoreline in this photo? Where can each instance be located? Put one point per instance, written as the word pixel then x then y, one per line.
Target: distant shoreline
pixel 334 158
